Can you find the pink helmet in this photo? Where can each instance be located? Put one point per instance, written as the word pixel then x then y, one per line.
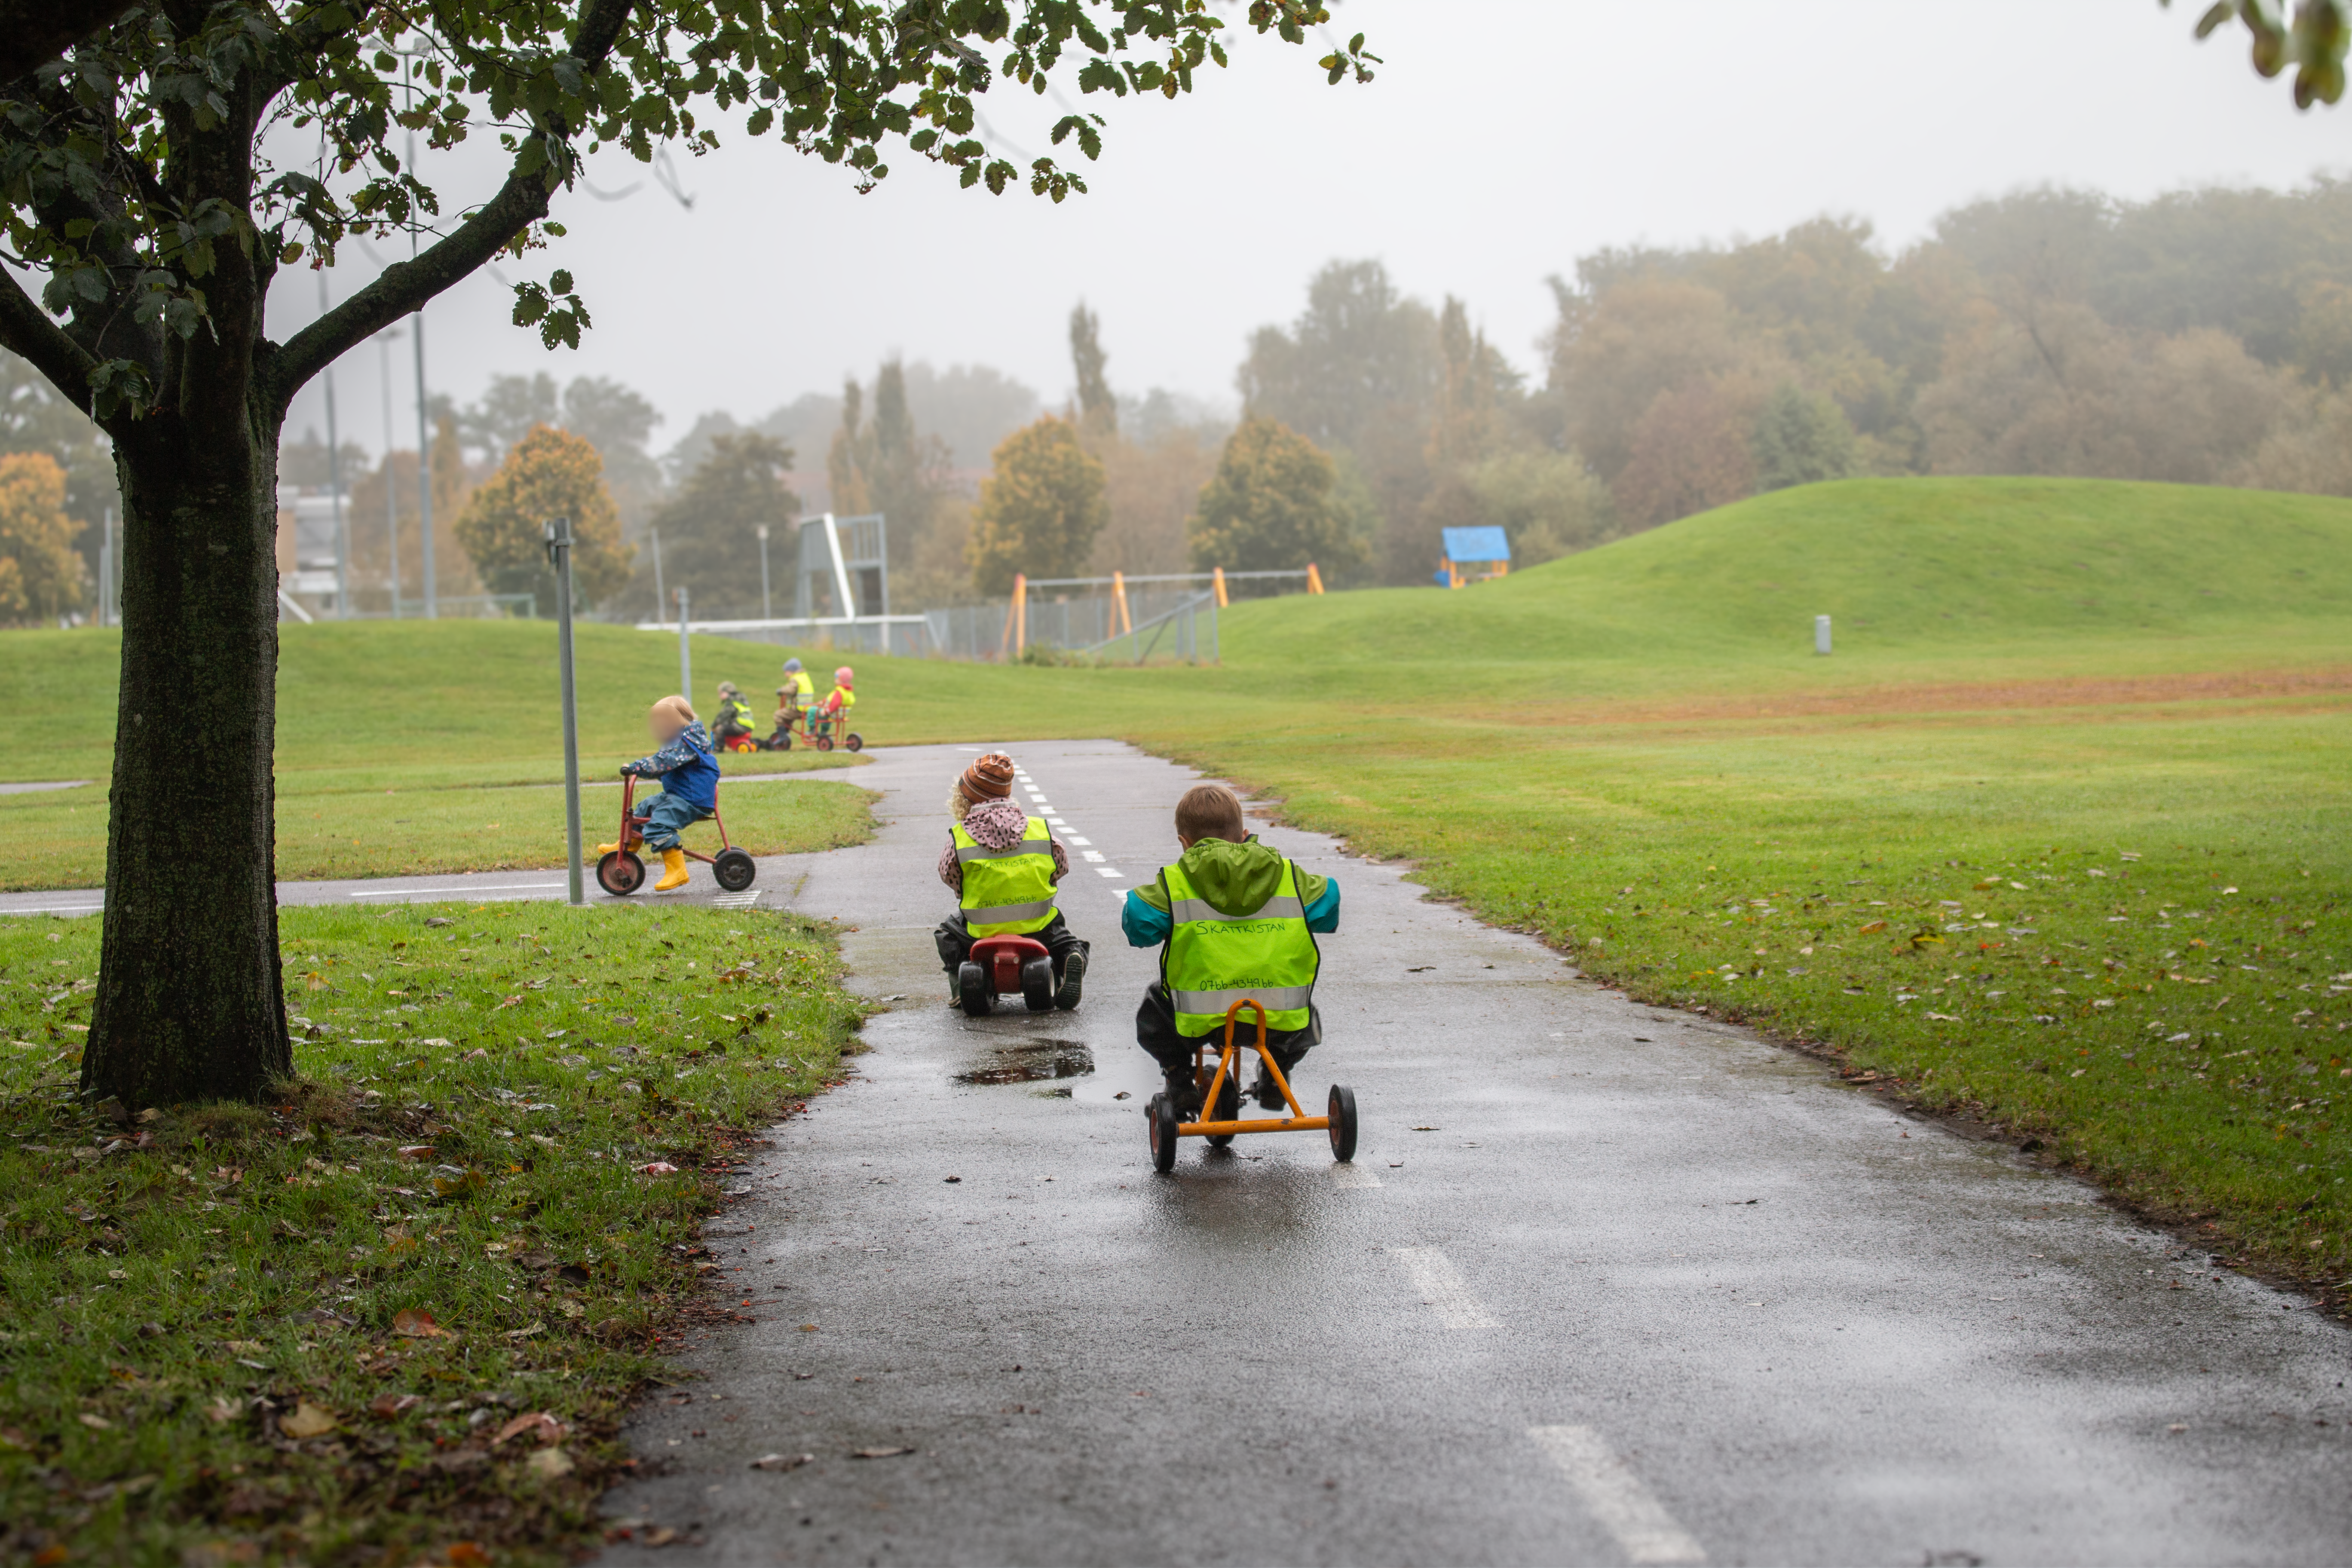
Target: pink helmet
pixel 844 676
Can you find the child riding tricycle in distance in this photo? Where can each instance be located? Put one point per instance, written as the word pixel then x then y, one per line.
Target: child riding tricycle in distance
pixel 690 793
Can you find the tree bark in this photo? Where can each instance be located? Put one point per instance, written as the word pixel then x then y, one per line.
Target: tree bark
pixel 189 1003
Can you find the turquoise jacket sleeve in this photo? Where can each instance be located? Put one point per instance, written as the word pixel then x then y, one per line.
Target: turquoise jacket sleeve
pixel 1148 926
pixel 1144 925
pixel 1323 914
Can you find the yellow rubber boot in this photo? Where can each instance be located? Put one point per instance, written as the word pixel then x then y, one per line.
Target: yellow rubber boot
pixel 606 848
pixel 673 870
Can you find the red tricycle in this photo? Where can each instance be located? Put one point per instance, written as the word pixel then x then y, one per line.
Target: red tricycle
pixel 1001 965
pixel 621 873
pixel 822 727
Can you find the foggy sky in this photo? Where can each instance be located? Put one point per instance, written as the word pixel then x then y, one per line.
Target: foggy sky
pixel 1502 140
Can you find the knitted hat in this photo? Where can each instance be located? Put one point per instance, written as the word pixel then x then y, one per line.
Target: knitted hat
pixel 989 777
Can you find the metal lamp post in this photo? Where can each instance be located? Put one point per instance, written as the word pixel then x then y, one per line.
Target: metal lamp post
pixel 559 555
pixel 335 483
pixel 767 609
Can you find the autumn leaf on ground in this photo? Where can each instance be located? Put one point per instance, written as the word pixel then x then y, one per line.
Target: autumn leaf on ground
pixel 416 1323
pixel 308 1420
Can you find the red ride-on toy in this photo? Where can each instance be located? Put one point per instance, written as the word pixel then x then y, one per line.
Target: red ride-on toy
pixel 621 873
pixel 1001 965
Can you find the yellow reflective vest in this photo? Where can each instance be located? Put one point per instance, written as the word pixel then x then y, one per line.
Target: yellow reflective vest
pixel 1007 892
pixel 1213 960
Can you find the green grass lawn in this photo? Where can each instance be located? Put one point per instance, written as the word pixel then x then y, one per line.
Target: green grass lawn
pixel 407 748
pixel 350 827
pixel 320 1330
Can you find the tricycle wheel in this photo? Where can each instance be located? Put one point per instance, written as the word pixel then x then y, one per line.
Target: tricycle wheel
pixel 822 743
pixel 854 742
pixel 1037 984
pixel 973 993
pixel 783 743
pixel 1341 1108
pixel 734 869
pixel 620 873
pixel 1161 1118
pixel 1229 1109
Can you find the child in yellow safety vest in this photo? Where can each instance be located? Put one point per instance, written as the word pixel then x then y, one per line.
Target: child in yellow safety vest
pixel 1232 918
pixel 1004 865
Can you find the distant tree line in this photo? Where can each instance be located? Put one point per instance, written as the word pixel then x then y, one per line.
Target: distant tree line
pixel 2203 337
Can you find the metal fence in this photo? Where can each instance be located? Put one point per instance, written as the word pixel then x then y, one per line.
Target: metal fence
pixel 1072 624
pixel 1175 618
pixel 906 636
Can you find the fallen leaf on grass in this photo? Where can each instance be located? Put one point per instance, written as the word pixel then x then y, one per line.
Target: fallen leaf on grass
pixel 1873 926
pixel 308 1420
pixel 416 1323
pixel 657 1168
pixel 781 1461
pixel 879 1453
pixel 97 1422
pixel 418 1150
pixel 389 1405
pixel 221 1410
pixel 465 1554
pixel 14 1437
pixel 539 1423
pixel 550 1463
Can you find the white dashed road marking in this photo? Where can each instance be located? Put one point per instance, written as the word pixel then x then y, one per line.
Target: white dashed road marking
pixel 1616 1498
pixel 1441 1286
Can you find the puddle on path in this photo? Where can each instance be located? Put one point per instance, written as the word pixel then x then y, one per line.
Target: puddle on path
pixel 1031 1061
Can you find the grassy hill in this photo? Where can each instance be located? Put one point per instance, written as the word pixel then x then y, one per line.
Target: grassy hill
pixel 1927 580
pixel 1914 571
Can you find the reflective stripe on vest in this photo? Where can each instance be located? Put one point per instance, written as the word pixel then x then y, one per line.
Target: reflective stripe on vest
pixel 966 854
pixel 1007 892
pixel 1276 908
pixel 1214 960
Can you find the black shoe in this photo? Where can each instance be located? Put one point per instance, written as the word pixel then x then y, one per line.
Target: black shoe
pixel 1268 1092
pixel 1184 1094
pixel 1074 981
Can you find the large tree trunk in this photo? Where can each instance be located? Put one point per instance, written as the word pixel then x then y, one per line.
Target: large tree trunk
pixel 189 1001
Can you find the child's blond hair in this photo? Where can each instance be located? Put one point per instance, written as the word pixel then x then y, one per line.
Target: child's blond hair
pixel 677 707
pixel 1210 811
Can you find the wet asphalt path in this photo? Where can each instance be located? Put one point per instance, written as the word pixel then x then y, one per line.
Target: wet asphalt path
pixel 1604 1285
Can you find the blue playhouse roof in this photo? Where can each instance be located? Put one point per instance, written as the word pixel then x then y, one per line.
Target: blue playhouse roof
pixel 1476 544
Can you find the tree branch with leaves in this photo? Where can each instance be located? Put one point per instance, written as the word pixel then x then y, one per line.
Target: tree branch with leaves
pixel 145 186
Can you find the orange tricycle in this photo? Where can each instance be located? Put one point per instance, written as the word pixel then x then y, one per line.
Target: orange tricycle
pixel 1221 1119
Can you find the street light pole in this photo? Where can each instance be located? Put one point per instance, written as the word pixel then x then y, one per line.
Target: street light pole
pixel 767 608
pixel 424 436
pixel 559 555
pixel 335 484
pixel 391 503
pixel 685 652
